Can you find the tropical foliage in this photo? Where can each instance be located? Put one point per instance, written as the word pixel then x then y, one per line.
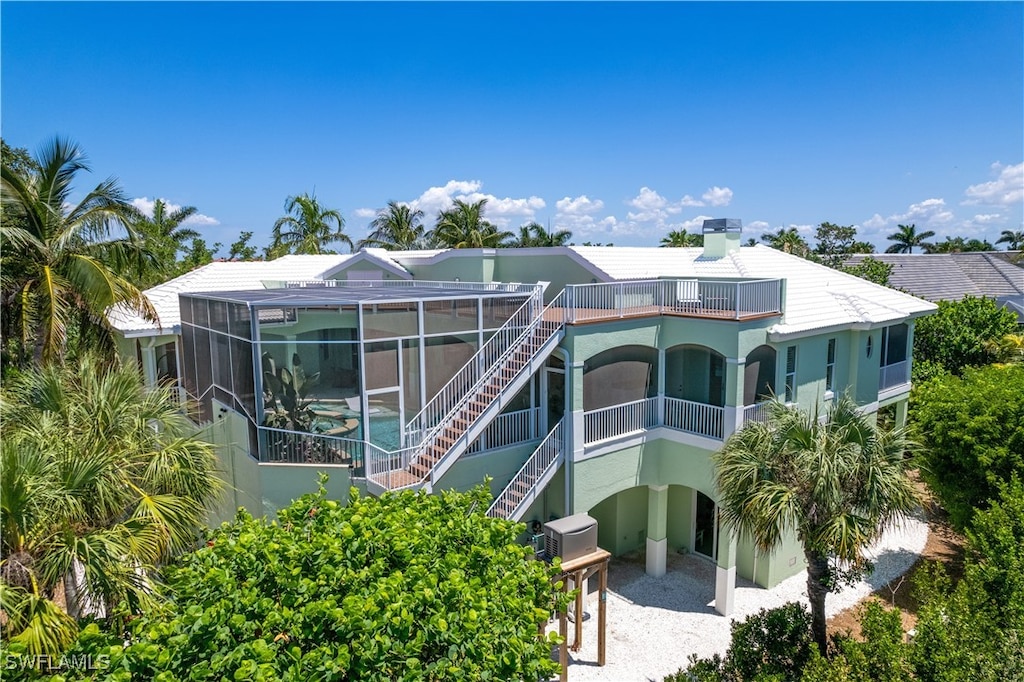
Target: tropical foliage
pixel 838 483
pixel 681 238
pixel 958 245
pixel 405 586
pixel 960 334
pixel 164 236
pixel 1014 240
pixel 64 263
pixel 534 234
pixel 398 227
pixel 307 228
pixel 834 243
pixel 787 240
pixel 907 237
pixel 972 428
pixel 102 481
pixel 463 227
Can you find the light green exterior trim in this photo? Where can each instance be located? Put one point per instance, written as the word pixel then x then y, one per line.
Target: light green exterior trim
pixel 657 512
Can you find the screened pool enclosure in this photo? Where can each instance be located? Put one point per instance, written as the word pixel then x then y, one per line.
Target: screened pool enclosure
pixel 323 370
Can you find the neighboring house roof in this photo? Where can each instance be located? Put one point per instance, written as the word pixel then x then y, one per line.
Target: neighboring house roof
pixel 951 276
pixel 218 276
pixel 380 258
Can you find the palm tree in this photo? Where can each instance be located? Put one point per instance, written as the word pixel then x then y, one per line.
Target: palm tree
pixel 787 240
pixel 533 234
pixel 838 484
pixel 101 477
pixel 463 227
pixel 1014 240
pixel 907 238
pixel 681 238
pixel 65 264
pixel 308 230
pixel 396 228
pixel 165 237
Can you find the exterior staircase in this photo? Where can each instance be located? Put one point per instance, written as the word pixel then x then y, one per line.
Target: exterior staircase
pixel 531 479
pixel 460 411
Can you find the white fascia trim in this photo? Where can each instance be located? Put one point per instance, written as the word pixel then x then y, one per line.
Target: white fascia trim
pixel 363 256
pixel 143 333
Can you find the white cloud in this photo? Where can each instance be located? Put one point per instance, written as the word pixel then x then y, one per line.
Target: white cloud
pixel 145 204
pixel 647 200
pixel 500 211
pixel 1006 190
pixel 928 213
pixel 687 200
pixel 758 226
pixel 717 196
pixel 581 205
pixel 364 213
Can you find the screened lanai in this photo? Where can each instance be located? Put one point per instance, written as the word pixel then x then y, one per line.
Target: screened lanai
pixel 342 359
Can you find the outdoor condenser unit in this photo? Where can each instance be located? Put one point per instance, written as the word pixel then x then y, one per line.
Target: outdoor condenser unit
pixel 571 537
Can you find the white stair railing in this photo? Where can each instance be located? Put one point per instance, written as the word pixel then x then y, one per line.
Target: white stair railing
pixel 523 486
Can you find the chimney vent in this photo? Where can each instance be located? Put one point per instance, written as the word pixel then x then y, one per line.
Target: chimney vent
pixel 721 236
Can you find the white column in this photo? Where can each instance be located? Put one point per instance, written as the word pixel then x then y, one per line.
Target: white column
pixel 657 530
pixel 725 574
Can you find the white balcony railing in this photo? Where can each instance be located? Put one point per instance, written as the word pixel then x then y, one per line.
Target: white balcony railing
pixel 893 375
pixel 758 412
pixel 510 428
pixel 619 420
pixel 523 488
pixel 693 417
pixel 701 298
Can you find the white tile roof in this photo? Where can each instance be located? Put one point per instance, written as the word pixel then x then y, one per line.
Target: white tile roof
pixel 817 296
pixel 218 276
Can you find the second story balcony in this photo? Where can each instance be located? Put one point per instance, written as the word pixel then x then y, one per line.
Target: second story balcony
pixel 701 298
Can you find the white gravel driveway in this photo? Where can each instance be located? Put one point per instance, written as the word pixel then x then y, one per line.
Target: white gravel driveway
pixel 654 624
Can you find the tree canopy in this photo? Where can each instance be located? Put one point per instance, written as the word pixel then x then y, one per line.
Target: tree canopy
pixel 307 228
pixel 960 334
pixel 463 227
pixel 838 483
pixel 407 586
pixel 100 475
pixel 972 430
pixel 907 237
pixel 64 263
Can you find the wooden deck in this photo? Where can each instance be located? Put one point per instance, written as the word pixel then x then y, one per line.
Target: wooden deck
pixel 592 315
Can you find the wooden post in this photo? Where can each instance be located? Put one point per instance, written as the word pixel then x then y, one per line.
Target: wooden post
pixel 563 631
pixel 578 641
pixel 602 609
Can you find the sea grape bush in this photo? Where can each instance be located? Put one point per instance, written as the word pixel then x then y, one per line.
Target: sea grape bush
pixel 403 587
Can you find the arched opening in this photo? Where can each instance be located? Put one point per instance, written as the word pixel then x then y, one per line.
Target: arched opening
pixel 620 375
pixel 695 373
pixel 759 375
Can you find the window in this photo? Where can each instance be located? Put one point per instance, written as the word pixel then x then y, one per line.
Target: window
pixel 830 367
pixel 791 374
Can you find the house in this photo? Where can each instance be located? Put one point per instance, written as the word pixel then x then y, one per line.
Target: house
pixel 580 379
pixel 952 276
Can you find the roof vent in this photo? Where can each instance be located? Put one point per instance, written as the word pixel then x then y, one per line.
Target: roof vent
pixel 721 236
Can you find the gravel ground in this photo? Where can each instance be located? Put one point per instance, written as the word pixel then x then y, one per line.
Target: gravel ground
pixel 654 624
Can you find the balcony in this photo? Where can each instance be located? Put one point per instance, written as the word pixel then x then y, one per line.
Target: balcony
pixel 896 374
pixel 280 446
pixel 699 419
pixel 711 299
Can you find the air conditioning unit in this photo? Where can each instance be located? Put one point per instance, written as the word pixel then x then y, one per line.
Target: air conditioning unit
pixel 571 537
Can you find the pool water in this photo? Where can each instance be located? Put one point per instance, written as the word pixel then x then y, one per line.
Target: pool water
pixel 385 427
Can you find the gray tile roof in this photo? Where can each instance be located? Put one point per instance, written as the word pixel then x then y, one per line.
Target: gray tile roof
pixel 951 276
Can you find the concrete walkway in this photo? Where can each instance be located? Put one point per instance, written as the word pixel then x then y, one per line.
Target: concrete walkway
pixel 654 624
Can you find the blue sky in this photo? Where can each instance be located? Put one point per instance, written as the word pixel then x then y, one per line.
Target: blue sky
pixel 617 121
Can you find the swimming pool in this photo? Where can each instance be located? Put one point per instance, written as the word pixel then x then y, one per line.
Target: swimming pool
pixel 385 425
